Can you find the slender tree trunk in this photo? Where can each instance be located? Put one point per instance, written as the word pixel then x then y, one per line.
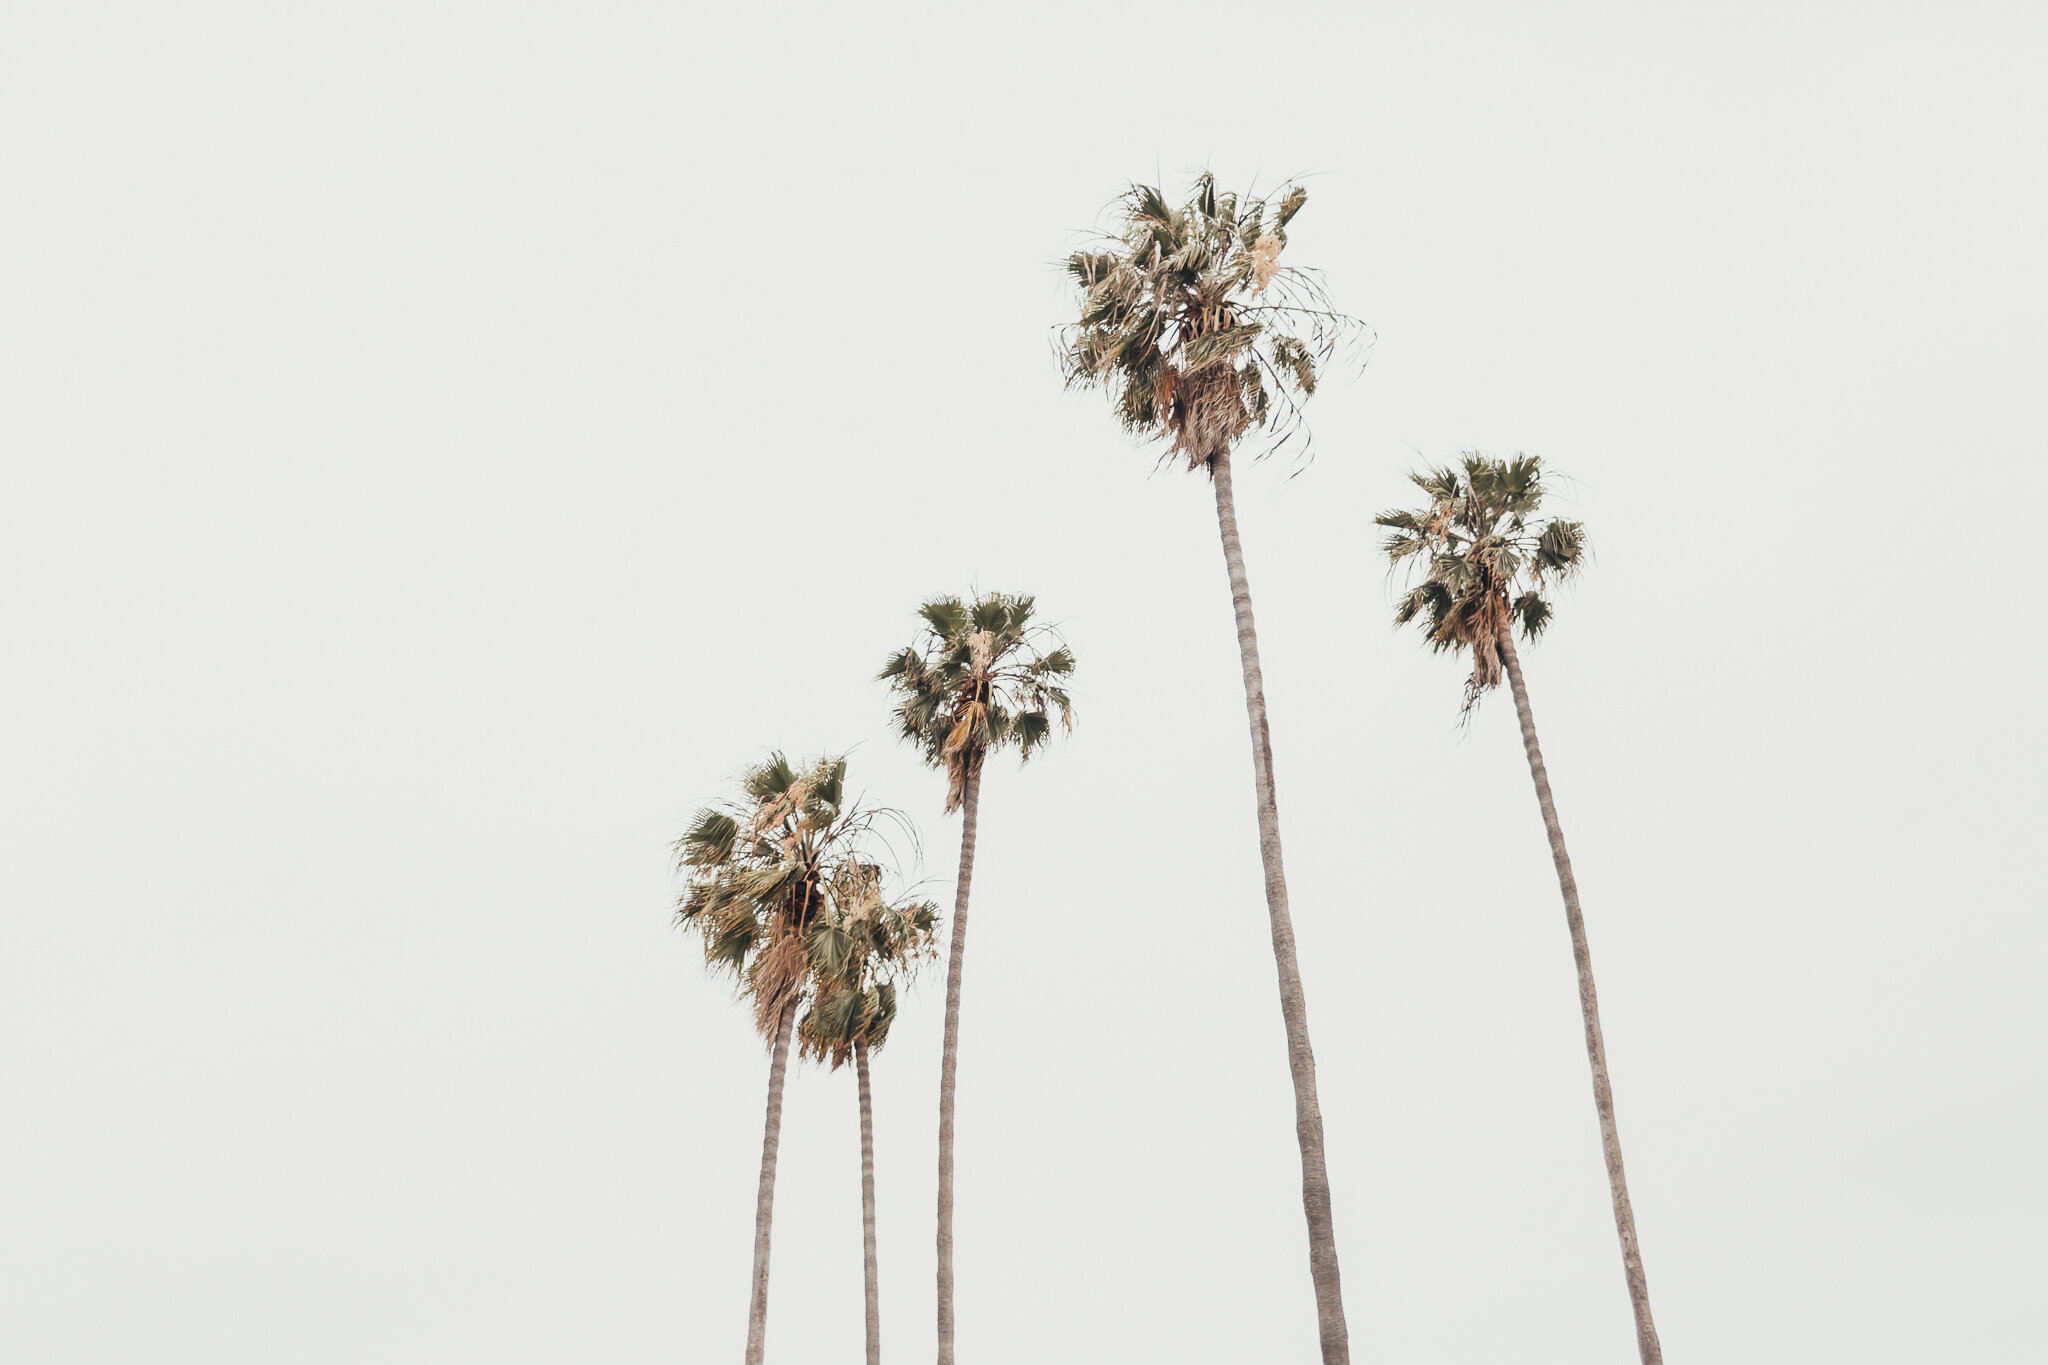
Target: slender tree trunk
pixel 949 1062
pixel 1589 1007
pixel 764 1202
pixel 1301 1061
pixel 867 1202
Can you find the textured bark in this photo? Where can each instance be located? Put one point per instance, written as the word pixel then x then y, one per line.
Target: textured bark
pixel 764 1201
pixel 1301 1061
pixel 1589 1007
pixel 867 1202
pixel 949 1061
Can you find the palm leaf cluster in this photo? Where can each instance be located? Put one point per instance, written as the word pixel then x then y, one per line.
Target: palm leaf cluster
pixel 1193 326
pixel 860 950
pixel 1487 558
pixel 979 677
pixel 780 887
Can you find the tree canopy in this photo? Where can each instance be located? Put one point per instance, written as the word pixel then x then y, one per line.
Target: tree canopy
pixel 1487 558
pixel 860 952
pixel 773 876
pixel 978 677
pixel 1191 324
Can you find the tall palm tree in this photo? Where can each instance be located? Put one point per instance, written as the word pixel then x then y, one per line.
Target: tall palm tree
pixel 1489 562
pixel 979 677
pixel 762 876
pixel 1201 337
pixel 860 952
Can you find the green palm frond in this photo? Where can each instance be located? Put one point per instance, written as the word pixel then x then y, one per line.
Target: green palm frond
pixel 1148 205
pixel 1289 351
pixel 1533 612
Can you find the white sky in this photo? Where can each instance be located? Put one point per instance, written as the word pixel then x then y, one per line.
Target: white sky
pixel 444 444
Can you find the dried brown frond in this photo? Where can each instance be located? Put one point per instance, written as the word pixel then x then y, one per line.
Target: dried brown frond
pixel 1209 414
pixel 1265 262
pixel 778 976
pixel 1482 634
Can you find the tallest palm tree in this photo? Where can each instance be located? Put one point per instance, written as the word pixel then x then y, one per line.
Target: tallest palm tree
pixel 1200 336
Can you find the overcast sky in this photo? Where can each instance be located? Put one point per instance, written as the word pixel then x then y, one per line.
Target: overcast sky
pixel 444 444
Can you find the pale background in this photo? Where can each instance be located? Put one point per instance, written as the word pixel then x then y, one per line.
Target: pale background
pixel 444 444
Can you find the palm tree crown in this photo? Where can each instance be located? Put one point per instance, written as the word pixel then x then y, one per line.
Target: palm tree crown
pixel 1490 558
pixel 860 951
pixel 1191 324
pixel 766 876
pixel 979 677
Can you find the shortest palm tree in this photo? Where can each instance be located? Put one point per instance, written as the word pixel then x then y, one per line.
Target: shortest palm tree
pixel 764 875
pixel 1489 561
pixel 860 953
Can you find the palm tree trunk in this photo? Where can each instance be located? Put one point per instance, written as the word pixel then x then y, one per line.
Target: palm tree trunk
pixel 1308 1113
pixel 764 1201
pixel 867 1201
pixel 949 1061
pixel 1589 1007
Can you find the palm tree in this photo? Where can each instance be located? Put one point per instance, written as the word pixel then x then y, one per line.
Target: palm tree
pixel 979 677
pixel 860 952
pixel 1200 336
pixel 763 876
pixel 1490 561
